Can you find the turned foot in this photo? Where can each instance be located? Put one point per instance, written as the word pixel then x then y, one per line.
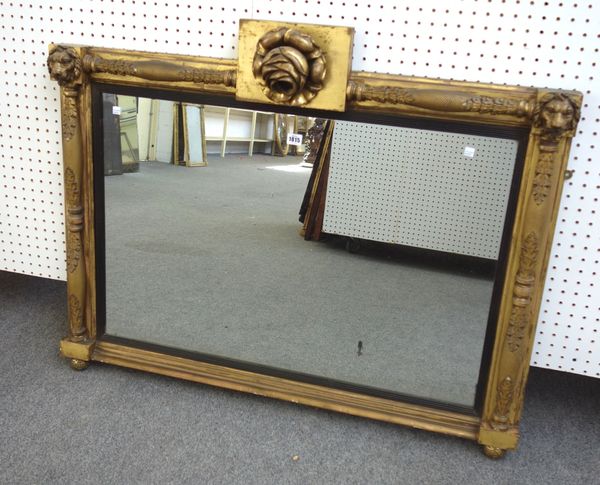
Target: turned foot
pixel 493 452
pixel 79 364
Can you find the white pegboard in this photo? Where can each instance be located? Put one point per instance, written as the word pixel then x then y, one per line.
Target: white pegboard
pixel 550 43
pixel 421 188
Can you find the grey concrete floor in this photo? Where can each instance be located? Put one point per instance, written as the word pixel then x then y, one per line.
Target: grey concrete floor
pixel 113 425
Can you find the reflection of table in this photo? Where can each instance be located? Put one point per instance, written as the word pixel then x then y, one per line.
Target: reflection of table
pixel 419 188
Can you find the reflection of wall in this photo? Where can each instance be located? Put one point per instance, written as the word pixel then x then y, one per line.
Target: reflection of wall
pixel 418 188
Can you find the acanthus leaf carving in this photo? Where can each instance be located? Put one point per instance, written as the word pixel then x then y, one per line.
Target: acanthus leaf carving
pixel 73 251
pixel 544 168
pixel 504 398
pixel 522 293
pixel 71 188
pixel 437 100
pixel 202 76
pixel 77 328
pixel 358 91
pixel 69 117
pixel 528 257
pixel 118 67
pixel 158 70
pixel 388 95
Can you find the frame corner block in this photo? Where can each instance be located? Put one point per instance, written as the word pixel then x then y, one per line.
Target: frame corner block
pixel 505 440
pixel 77 350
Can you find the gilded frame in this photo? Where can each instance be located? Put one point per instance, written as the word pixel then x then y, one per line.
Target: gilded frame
pixel 550 116
pixel 185 156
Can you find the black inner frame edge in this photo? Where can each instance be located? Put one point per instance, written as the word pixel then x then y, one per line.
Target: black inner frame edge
pixel 520 134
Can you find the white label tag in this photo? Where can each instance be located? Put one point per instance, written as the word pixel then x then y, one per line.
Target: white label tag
pixel 117 110
pixel 294 139
pixel 469 152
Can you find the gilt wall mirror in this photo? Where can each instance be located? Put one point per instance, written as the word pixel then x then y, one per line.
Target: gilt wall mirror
pixel 370 244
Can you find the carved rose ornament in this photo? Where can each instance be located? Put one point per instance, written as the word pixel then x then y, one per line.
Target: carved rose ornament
pixel 289 66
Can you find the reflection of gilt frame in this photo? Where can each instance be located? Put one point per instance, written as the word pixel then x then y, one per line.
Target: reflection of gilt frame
pixel 180 113
pixel 550 116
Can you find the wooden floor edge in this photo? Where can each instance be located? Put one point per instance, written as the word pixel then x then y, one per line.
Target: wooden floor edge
pixel 412 415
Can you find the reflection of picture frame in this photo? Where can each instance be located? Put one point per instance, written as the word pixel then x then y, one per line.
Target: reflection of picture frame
pixel 189 138
pixel 280 131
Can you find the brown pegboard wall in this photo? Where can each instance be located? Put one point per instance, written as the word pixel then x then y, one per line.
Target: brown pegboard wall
pixel 529 42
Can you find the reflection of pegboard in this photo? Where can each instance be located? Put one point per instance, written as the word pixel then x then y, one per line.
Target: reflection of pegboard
pixel 550 43
pixel 418 188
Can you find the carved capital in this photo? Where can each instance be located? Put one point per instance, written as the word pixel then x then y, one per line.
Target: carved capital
pixel 64 65
pixel 289 65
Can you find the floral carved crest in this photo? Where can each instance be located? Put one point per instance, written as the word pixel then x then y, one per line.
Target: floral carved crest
pixel 289 65
pixel 64 65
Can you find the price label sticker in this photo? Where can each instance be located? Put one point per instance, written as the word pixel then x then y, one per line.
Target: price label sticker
pixel 294 139
pixel 117 110
pixel 469 152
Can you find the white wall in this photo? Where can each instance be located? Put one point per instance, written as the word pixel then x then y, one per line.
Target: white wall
pixel 543 43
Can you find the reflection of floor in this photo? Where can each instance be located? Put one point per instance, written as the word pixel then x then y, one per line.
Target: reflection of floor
pixel 209 259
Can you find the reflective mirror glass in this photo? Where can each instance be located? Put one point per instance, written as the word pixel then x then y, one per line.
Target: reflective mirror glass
pixel 358 255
